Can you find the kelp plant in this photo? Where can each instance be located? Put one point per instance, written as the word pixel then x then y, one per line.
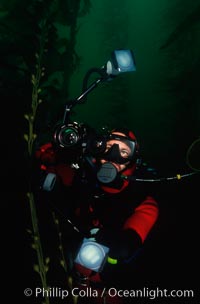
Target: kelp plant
pixel 50 28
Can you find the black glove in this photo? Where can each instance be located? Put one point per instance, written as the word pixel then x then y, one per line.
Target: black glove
pixel 122 244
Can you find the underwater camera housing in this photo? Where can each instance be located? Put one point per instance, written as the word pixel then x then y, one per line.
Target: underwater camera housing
pixel 71 134
pixel 78 135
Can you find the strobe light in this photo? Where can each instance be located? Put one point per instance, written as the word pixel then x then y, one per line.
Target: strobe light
pixel 92 255
pixel 121 61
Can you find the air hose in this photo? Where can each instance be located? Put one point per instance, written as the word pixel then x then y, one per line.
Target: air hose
pixel 193 148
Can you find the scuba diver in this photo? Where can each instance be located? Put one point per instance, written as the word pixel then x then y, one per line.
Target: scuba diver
pixel 113 214
pixel 101 185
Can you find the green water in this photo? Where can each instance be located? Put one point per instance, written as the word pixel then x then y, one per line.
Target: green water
pixel 160 101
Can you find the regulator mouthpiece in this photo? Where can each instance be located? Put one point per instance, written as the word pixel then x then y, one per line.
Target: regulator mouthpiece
pixel 107 173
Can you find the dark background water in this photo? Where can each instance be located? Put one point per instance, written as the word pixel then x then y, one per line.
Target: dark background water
pixel 160 102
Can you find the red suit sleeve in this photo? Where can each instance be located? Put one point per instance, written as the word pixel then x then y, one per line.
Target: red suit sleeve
pixel 143 218
pixel 46 154
pixel 65 173
pixel 51 163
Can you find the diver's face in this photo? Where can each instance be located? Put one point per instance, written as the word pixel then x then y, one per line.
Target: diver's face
pixel 124 151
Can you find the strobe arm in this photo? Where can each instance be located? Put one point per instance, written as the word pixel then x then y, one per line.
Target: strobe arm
pixel 121 61
pixel 78 100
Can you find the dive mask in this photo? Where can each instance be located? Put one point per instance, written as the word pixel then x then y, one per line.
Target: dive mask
pixel 117 154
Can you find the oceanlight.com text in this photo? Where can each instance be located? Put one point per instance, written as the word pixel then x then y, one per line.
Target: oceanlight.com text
pixel 145 292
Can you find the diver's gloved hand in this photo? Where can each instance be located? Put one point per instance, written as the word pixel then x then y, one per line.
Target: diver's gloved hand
pixel 122 244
